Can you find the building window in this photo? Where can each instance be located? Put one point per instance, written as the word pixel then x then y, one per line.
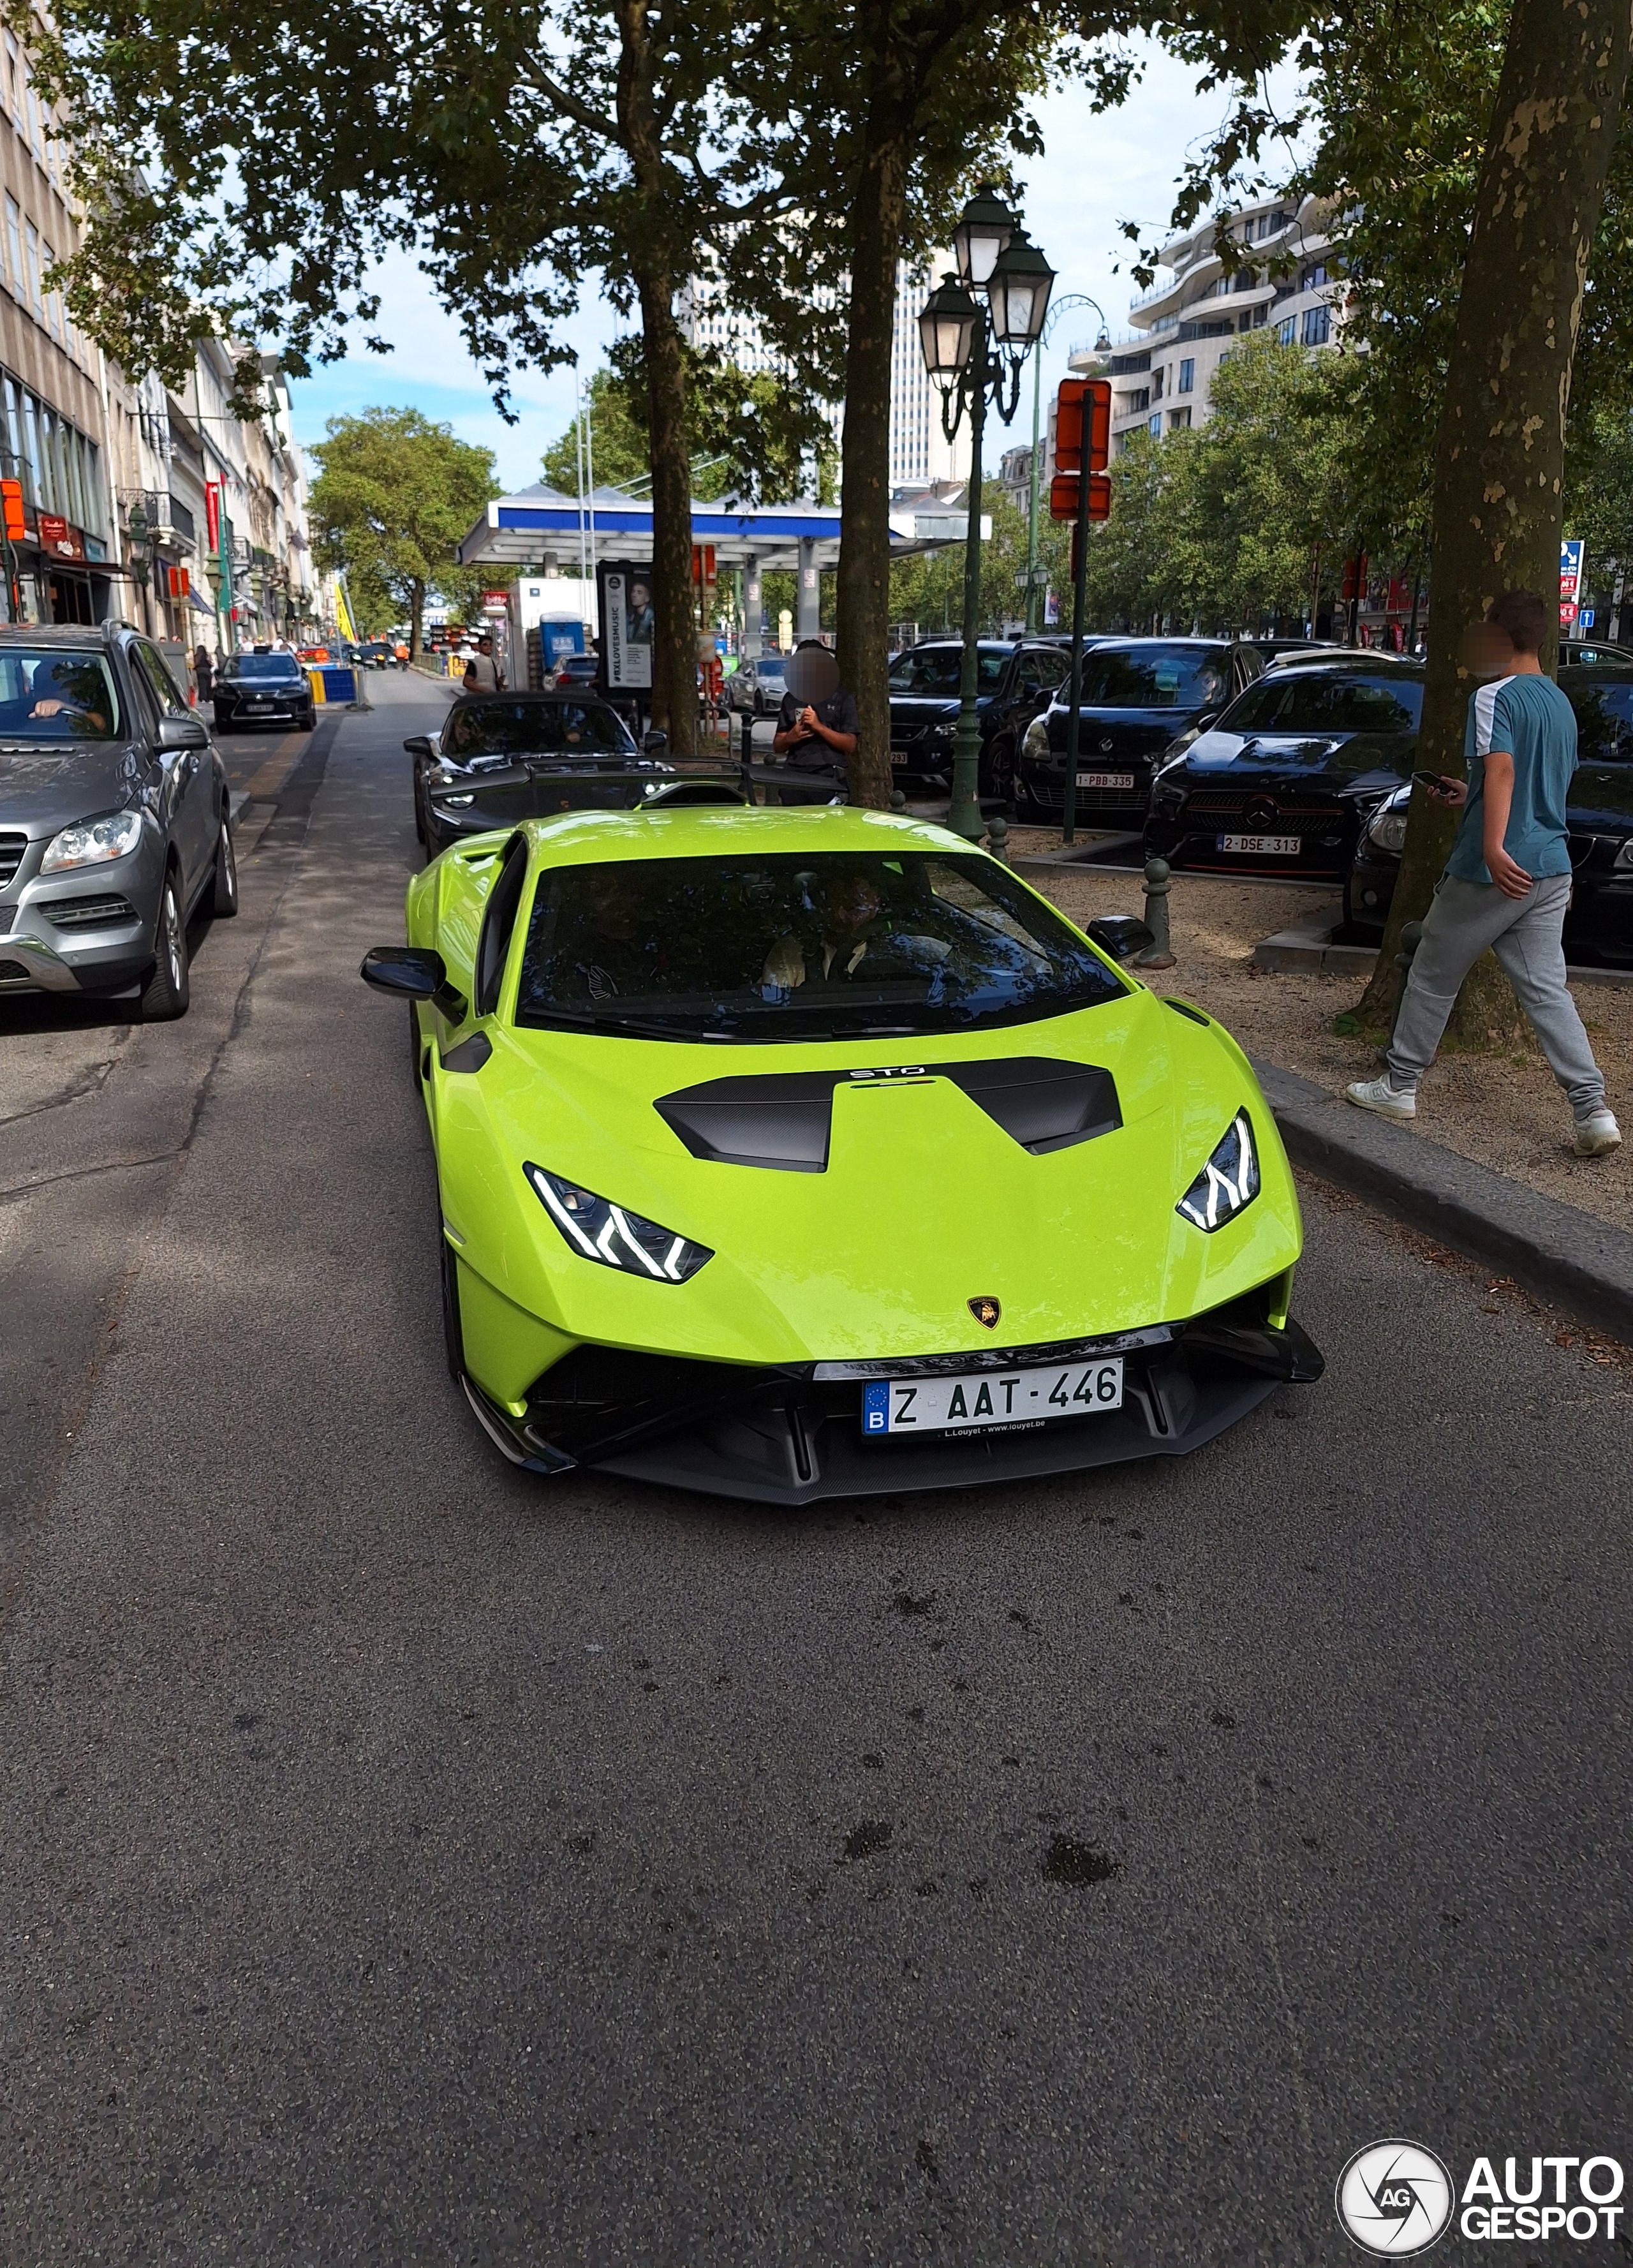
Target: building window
pixel 1141 400
pixel 14 246
pixel 1318 324
pixel 1187 375
pixel 1155 426
pixel 1285 331
pixel 30 238
pixel 1178 420
pixel 1158 377
pixel 1244 321
pixel 1261 316
pixel 1313 276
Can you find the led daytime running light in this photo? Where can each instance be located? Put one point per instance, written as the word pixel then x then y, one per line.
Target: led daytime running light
pixel 612 1236
pixel 1227 1184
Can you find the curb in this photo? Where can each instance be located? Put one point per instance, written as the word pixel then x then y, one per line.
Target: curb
pixel 1305 947
pixel 1558 1252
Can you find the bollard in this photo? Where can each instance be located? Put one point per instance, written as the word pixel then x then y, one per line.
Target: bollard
pixel 998 838
pixel 1411 937
pixel 1157 953
pixel 898 801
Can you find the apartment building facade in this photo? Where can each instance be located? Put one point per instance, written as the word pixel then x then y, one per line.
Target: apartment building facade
pixel 1162 377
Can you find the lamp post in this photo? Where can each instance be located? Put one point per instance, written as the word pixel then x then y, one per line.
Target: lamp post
pixel 975 331
pixel 139 532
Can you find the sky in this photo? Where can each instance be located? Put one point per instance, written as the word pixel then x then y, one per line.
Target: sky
pixel 1095 172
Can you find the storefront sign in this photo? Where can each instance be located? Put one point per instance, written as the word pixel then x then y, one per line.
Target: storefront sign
pixel 212 513
pixel 58 539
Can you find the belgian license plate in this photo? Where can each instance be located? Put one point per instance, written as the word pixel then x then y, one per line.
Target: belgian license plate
pixel 898 756
pixel 1262 846
pixel 1124 780
pixel 991 1397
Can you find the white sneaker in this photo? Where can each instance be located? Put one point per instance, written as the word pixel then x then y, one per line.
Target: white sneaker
pixel 1596 1134
pixel 1378 1094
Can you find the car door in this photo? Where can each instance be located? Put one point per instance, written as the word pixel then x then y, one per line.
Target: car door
pixel 191 769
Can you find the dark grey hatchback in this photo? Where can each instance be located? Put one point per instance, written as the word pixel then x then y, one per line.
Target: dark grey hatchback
pixel 115 823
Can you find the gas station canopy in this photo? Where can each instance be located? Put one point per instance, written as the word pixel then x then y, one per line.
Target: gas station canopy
pixel 539 523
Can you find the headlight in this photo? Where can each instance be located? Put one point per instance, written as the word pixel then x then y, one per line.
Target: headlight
pixel 599 1230
pixel 943 733
pixel 1227 1184
pixel 1036 741
pixel 94 842
pixel 1624 857
pixel 1386 829
pixel 454 802
pixel 1176 747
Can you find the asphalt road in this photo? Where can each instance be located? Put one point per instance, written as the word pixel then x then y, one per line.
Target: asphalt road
pixel 400 1859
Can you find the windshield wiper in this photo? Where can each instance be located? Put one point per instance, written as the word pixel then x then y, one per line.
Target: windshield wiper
pixel 636 1028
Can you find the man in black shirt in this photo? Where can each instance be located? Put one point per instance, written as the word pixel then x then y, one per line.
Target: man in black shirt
pixel 816 726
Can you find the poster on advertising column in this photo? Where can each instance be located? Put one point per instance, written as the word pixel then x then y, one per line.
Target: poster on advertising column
pixel 624 596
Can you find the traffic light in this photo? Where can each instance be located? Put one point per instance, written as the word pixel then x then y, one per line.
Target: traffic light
pixel 11 509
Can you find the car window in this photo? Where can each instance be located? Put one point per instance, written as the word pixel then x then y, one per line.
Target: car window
pixel 279 668
pixel 1604 722
pixel 799 946
pixel 1326 701
pixel 522 727
pixel 1153 677
pixel 48 695
pixel 1046 669
pixel 493 945
pixel 936 670
pixel 158 679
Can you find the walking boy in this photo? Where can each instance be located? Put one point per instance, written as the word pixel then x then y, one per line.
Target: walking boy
pixel 1507 882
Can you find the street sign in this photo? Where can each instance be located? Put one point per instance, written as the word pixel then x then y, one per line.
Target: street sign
pixel 1079 492
pixel 1585 618
pixel 1567 613
pixel 12 505
pixel 1063 497
pixel 1573 565
pixel 1081 398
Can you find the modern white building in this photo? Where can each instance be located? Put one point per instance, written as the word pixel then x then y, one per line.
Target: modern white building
pixel 1162 377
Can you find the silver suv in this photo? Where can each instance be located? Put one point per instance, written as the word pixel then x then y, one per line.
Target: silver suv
pixel 115 823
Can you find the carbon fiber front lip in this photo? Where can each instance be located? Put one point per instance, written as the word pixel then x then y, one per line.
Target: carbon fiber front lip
pixel 976 1358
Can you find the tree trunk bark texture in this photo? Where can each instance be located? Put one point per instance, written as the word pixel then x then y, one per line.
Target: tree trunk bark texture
pixel 878 215
pixel 1499 458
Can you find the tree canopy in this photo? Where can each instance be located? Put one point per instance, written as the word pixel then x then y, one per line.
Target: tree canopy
pixel 395 497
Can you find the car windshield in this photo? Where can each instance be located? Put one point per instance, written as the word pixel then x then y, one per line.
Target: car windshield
pixel 1151 677
pixel 56 696
pixel 799 946
pixel 769 667
pixel 1326 701
pixel 280 665
pixel 546 728
pixel 934 669
pixel 1604 722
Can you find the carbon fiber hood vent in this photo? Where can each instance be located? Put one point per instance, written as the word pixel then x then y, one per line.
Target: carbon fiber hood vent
pixel 782 1120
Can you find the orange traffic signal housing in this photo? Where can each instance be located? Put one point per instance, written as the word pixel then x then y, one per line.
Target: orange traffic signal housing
pixel 1081 400
pixel 11 506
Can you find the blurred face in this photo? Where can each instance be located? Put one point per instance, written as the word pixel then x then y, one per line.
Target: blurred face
pixel 640 597
pixel 813 676
pixel 1487 651
pixel 850 907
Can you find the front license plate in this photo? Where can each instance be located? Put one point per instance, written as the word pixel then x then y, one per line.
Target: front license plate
pixel 991 1397
pixel 1262 846
pixel 1106 779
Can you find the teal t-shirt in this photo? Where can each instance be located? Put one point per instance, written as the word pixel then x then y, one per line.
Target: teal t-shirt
pixel 1531 717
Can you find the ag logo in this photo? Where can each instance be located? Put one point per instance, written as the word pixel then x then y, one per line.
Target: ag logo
pixel 986 1313
pixel 1395 2198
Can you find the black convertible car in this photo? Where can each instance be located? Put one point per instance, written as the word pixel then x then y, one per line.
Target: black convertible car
pixel 1143 698
pixel 263 689
pixel 1599 815
pixel 1287 779
pixel 503 757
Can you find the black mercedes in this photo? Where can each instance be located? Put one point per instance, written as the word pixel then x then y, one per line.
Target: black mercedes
pixel 1598 814
pixel 1014 678
pixel 263 689
pixel 1287 778
pixel 1143 698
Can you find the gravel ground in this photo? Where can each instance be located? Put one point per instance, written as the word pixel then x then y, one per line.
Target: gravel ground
pixel 1503 1111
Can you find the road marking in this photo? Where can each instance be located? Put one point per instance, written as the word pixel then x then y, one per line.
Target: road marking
pixel 267 781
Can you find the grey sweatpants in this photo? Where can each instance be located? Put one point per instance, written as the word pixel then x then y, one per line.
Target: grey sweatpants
pixel 1524 933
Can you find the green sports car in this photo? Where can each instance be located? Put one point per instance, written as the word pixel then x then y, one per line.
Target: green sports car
pixel 801 1153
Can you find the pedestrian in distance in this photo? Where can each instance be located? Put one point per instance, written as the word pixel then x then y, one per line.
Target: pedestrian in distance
pixel 203 672
pixel 817 723
pixel 1507 882
pixel 483 673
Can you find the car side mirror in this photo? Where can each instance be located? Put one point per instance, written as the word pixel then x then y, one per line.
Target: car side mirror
pixel 655 744
pixel 183 732
pixel 413 974
pixel 1121 935
pixel 419 745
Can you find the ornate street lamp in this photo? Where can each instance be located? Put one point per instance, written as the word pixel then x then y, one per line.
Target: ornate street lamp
pixel 140 530
pixel 975 347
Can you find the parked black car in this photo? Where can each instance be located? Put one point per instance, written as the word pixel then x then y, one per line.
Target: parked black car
pixel 1598 814
pixel 1285 780
pixel 263 689
pixel 1014 680
pixel 1577 653
pixel 575 670
pixel 502 757
pixel 115 826
pixel 1142 699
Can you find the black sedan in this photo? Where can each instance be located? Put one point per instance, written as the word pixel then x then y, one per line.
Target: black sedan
pixel 263 689
pixel 1143 698
pixel 1014 680
pixel 1287 778
pixel 503 757
pixel 1598 814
